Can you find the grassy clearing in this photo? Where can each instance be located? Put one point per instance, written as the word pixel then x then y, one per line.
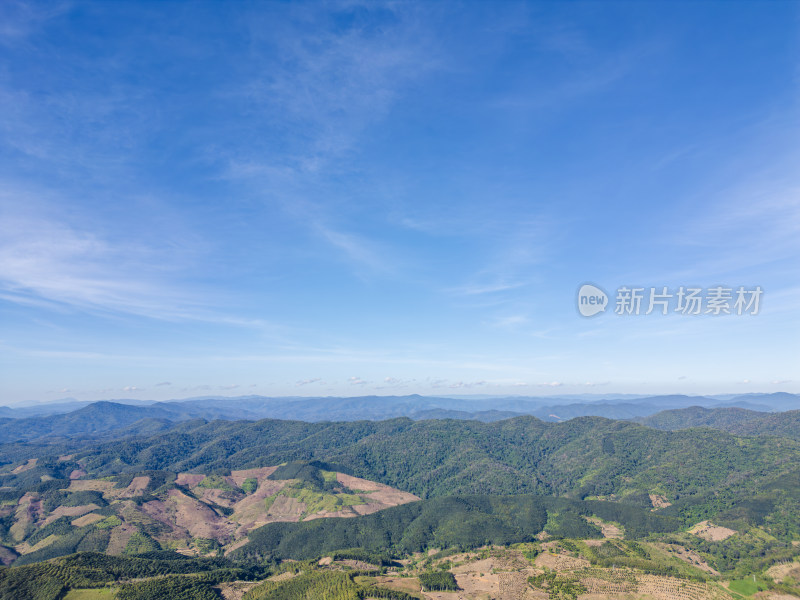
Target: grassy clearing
pixel 747 586
pixel 316 501
pixel 91 594
pixel 109 523
pixel 215 482
pixel 328 476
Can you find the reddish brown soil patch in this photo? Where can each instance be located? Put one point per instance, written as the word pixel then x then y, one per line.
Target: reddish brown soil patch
pixel 378 493
pixel 136 487
pixel 250 512
pixel 224 498
pixel 107 488
pixel 157 510
pixel 189 479
pixel 68 511
pixel 119 538
pixel 197 518
pixel 87 520
pixel 285 508
pixel 28 511
pixel 261 473
pixel 7 555
pixel 28 465
pixel 710 532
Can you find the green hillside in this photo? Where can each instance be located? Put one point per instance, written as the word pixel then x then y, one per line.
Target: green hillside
pixel 453 521
pixel 583 457
pixel 738 421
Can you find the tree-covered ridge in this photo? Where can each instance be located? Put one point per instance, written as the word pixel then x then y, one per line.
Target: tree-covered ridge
pixel 737 421
pixel 453 521
pixel 697 474
pixel 689 475
pixel 582 457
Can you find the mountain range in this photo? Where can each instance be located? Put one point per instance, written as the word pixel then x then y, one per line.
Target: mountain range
pixel 99 419
pixel 114 490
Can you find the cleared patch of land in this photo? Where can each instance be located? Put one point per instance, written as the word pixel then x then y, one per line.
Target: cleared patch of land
pixel 710 532
pixel 780 572
pixel 26 466
pixel 659 501
pixel 106 487
pixel 688 556
pixel 235 590
pixel 136 488
pixel 68 511
pixel 195 512
pixel 609 530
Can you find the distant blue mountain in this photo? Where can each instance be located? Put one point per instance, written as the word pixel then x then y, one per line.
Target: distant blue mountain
pixel 104 418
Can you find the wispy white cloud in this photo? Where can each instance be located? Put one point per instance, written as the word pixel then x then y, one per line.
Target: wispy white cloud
pixel 321 93
pixel 454 385
pixel 48 262
pixel 330 82
pixel 515 246
pixel 551 384
pixel 488 288
pixel 356 248
pixel 510 321
pixel 19 19
pixel 42 260
pixel 466 384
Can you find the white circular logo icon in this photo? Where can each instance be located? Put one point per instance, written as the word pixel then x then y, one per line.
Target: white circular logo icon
pixel 591 300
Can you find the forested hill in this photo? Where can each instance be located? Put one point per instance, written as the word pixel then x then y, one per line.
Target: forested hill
pixel 738 421
pixel 92 421
pixel 587 456
pixel 106 420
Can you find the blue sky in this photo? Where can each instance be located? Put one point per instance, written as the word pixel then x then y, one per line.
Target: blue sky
pixel 387 198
